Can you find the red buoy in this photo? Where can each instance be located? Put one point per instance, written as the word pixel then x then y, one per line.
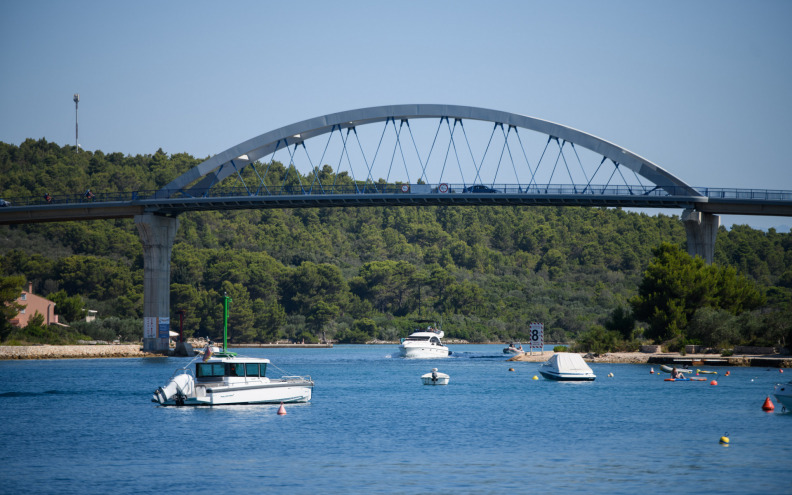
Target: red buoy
pixel 728 373
pixel 281 410
pixel 780 370
pixel 768 405
pixel 713 382
pixel 651 371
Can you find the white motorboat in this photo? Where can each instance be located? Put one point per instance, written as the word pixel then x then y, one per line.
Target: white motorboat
pixel 226 378
pixel 565 366
pixel 783 394
pixel 514 348
pixel 435 378
pixel 424 344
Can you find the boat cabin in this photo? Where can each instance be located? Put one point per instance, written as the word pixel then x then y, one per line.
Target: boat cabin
pixel 423 337
pixel 216 371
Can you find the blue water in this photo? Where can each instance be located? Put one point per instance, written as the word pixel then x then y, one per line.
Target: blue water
pixel 88 426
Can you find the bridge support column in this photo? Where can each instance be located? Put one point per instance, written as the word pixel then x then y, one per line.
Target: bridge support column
pixel 701 229
pixel 157 234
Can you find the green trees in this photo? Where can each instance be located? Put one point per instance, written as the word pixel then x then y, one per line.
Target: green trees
pixel 487 271
pixel 675 286
pixel 10 289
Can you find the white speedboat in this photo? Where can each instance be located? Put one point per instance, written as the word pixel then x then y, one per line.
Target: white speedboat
pixel 783 394
pixel 513 348
pixel 565 366
pixel 435 378
pixel 226 378
pixel 424 344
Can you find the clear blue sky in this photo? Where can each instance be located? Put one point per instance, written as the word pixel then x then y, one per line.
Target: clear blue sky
pixel 701 88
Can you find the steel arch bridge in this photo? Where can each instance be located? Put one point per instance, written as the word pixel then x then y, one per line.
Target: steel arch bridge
pixel 199 181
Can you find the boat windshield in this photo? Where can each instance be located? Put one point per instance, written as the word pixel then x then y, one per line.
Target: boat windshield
pixel 206 370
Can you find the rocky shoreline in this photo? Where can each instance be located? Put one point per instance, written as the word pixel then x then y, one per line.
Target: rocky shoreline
pixel 135 351
pixel 9 352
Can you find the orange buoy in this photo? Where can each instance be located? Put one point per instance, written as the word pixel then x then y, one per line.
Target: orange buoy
pixel 768 405
pixel 713 382
pixel 281 410
pixel 780 370
pixel 728 373
pixel 511 369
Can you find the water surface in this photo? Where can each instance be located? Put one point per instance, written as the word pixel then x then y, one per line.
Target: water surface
pixel 88 426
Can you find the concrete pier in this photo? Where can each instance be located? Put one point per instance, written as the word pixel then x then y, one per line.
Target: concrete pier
pixel 157 234
pixel 702 230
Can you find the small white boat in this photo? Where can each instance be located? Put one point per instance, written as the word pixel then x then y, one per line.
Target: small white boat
pixel 424 344
pixel 668 369
pixel 565 366
pixel 435 378
pixel 226 378
pixel 783 394
pixel 514 348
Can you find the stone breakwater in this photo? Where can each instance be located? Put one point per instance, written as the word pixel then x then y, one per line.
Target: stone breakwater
pixel 73 351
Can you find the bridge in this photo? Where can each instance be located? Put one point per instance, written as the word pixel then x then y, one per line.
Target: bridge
pixel 402 155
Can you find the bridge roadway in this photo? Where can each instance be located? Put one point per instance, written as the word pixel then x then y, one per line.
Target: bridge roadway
pixel 128 205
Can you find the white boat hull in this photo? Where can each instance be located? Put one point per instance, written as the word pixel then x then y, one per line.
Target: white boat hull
pixel 423 351
pixel 570 377
pixel 783 394
pixel 274 392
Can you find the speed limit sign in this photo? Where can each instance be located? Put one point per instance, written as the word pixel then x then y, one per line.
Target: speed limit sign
pixel 443 188
pixel 537 335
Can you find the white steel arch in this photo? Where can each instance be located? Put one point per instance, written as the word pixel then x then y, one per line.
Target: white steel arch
pixel 215 170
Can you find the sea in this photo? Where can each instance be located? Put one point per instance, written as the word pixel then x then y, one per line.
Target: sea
pixel 85 426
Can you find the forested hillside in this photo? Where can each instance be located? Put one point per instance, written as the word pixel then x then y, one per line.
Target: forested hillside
pixel 356 274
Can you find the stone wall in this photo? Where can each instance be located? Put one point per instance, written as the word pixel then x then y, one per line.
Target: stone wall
pixel 743 349
pixel 651 349
pixel 72 351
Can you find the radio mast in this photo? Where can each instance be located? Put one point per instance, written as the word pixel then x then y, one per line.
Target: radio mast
pixel 76 128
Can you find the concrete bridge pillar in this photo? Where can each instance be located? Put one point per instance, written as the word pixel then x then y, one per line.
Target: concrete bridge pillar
pixel 701 229
pixel 157 234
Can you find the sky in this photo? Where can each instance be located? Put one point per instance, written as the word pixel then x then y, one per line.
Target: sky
pixel 700 88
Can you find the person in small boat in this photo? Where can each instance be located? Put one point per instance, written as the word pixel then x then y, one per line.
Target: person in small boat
pixel 676 374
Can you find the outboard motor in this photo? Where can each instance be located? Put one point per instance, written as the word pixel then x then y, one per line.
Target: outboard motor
pixel 180 386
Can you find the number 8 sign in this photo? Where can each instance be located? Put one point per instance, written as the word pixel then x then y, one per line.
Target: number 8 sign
pixel 537 335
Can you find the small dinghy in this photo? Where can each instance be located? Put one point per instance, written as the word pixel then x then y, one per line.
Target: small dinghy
pixel 435 378
pixel 668 369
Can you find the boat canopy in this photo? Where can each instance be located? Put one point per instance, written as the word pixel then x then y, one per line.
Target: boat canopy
pixel 568 362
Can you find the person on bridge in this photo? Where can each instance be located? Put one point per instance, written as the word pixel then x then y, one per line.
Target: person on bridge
pixel 89 194
pixel 48 198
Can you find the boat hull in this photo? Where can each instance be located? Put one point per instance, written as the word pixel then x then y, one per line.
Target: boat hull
pixel 423 352
pixel 568 377
pixel 783 394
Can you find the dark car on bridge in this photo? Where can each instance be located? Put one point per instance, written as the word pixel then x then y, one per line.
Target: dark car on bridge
pixel 479 188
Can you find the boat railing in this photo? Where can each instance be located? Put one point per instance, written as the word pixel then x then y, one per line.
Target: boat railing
pixel 296 378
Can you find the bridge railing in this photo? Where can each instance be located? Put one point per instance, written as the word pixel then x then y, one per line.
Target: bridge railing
pixel 375 188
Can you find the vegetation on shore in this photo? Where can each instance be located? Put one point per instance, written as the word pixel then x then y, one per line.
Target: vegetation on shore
pixel 604 278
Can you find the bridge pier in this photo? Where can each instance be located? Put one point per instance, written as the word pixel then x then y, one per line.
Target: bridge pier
pixel 157 234
pixel 701 229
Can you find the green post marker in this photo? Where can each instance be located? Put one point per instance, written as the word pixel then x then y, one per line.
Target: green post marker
pixel 225 320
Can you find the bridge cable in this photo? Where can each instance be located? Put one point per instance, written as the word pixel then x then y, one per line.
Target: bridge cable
pixel 595 173
pixel 511 158
pixel 368 177
pixel 527 162
pixel 555 165
pixel 315 171
pixel 349 160
pixel 579 161
pixel 456 152
pixel 239 175
pixel 539 163
pixel 396 145
pixel 401 149
pixel 500 158
pixel 481 164
pixel 563 157
pixel 382 136
pixel 448 148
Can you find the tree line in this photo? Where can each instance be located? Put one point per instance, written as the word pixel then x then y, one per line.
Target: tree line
pixel 357 274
